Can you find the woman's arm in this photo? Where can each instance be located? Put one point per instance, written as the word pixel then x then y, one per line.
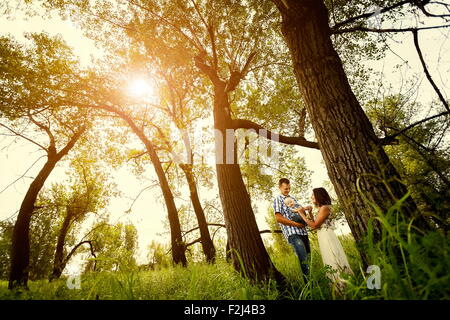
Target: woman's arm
pixel 310 214
pixel 324 212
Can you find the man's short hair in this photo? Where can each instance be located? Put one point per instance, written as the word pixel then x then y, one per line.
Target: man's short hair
pixel 283 180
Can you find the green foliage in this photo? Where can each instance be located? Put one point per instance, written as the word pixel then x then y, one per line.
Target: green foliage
pixel 115 247
pixel 6 229
pixel 84 192
pixel 261 178
pixel 157 256
pixel 279 243
pixel 422 155
pixel 43 235
pixel 414 264
pixel 38 75
pixel 198 281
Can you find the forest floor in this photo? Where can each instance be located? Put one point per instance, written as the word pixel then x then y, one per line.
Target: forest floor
pixel 219 281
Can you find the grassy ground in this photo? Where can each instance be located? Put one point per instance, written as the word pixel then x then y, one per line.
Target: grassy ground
pixel 423 275
pixel 198 281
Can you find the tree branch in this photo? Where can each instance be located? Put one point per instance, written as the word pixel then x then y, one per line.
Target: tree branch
pixel 421 6
pixel 193 242
pixel 143 153
pixel 389 30
pixel 270 231
pixel 211 33
pixel 368 15
pixel 71 142
pixel 427 73
pixel 172 25
pixel 220 225
pixel 389 138
pixel 24 137
pixel 139 194
pixel 76 247
pixel 23 175
pixel 52 146
pixel 209 224
pixel 247 124
pixel 208 70
pixel 269 64
pixel 237 76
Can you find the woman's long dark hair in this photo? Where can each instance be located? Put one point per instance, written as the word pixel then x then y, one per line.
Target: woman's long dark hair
pixel 322 196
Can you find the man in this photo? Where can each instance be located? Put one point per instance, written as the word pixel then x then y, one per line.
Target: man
pixel 294 232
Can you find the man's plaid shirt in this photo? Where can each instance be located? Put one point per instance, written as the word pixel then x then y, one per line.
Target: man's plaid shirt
pixel 279 206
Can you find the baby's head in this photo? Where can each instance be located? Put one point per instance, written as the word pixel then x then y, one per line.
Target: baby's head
pixel 289 202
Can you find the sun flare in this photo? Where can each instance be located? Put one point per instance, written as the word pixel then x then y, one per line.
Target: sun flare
pixel 140 87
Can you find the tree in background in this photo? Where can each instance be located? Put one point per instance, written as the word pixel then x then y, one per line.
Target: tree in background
pixel 115 246
pixel 43 235
pixel 178 101
pixel 421 156
pixel 35 78
pixel 156 256
pixel 89 192
pixel 58 215
pixel 192 29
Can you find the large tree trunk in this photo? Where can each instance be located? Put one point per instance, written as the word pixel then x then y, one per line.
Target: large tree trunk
pixel 207 244
pixel 58 262
pixel 247 248
pixel 20 248
pixel 347 140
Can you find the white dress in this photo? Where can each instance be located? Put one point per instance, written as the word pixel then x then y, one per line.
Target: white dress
pixel 332 252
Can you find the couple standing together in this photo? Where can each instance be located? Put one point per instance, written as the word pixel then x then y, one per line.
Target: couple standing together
pixel 294 220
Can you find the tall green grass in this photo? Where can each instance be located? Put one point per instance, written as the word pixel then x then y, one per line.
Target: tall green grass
pixel 414 265
pixel 197 282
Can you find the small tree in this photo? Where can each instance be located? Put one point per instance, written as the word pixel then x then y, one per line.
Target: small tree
pixel 88 192
pixel 115 247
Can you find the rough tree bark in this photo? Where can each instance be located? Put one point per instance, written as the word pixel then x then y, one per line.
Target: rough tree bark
pixel 246 246
pixel 20 248
pixel 347 140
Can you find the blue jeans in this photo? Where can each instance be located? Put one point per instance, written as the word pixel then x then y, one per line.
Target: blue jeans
pixel 296 241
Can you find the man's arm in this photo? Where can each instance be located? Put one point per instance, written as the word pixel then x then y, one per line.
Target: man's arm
pixel 287 222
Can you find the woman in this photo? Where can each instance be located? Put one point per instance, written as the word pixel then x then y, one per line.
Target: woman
pixel 330 248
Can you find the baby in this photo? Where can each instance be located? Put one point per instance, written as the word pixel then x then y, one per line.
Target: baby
pixel 289 202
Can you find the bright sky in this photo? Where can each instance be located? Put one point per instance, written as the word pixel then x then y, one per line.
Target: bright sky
pixel 148 214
